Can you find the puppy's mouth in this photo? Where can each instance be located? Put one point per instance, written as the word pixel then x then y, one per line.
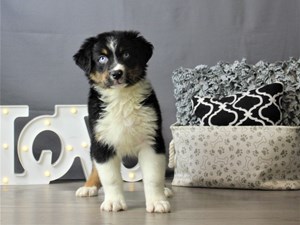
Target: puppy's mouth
pixel 117 78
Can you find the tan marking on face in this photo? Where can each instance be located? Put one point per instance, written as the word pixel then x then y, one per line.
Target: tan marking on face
pixel 100 78
pixel 104 51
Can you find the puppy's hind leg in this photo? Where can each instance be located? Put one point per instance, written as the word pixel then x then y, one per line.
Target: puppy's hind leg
pixel 91 186
pixel 153 166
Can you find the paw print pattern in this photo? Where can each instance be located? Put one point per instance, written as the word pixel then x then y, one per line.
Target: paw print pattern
pixel 237 157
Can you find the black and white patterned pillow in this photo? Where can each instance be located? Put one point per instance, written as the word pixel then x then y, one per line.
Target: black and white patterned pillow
pixel 260 106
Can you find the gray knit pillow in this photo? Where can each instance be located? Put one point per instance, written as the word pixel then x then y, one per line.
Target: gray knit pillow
pixel 226 79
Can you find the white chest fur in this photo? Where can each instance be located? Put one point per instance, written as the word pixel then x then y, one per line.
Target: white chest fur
pixel 126 124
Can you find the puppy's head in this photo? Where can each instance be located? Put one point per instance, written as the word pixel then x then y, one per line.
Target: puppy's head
pixel 114 59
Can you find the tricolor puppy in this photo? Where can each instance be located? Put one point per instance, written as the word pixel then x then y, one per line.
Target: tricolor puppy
pixel 124 117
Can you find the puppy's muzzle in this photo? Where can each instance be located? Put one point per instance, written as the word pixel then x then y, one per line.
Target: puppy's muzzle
pixel 116 74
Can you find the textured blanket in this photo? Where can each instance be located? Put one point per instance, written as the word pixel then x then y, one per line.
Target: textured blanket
pixel 226 79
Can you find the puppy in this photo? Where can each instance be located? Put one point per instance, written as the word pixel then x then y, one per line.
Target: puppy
pixel 124 117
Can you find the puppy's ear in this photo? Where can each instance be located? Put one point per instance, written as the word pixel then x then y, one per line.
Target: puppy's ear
pixel 146 48
pixel 83 58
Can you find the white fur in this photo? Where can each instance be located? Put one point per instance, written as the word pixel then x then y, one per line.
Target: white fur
pixel 112 43
pixel 130 128
pixel 127 125
pixel 87 191
pixel 153 167
pixel 112 184
pixel 119 67
pixel 168 192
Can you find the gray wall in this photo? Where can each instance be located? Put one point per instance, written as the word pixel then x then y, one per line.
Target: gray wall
pixel 39 38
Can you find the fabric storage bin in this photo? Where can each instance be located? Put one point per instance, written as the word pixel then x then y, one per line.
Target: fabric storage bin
pixel 246 157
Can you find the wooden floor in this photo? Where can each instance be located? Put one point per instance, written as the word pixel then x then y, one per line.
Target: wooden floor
pixel 57 204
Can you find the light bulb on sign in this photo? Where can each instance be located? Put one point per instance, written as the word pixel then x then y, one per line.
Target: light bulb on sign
pixel 5 111
pixel 47 173
pixel 131 175
pixel 5 180
pixel 69 148
pixel 24 148
pixel 73 110
pixel 84 144
pixel 47 122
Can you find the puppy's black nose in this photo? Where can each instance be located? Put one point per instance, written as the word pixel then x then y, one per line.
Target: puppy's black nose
pixel 116 74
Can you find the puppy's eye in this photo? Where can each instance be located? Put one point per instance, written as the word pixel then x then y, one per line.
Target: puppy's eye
pixel 126 55
pixel 103 59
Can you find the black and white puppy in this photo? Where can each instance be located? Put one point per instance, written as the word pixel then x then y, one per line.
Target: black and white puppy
pixel 124 117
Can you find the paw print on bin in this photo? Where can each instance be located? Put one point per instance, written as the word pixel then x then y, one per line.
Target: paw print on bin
pixel 229 178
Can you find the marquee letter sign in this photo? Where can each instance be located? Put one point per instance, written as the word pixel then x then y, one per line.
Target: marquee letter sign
pixel 69 124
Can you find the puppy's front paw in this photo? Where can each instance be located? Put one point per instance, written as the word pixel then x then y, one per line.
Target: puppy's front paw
pixel 113 206
pixel 158 207
pixel 87 191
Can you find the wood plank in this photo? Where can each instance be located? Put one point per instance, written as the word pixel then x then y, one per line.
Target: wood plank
pixel 57 204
